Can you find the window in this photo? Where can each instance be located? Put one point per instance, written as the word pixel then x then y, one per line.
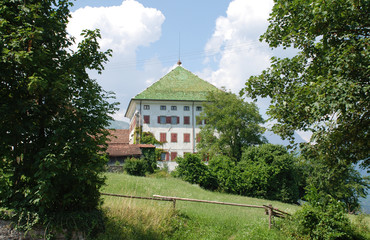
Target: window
pixel 173 137
pixel 147 119
pixel 162 119
pixel 186 120
pixel 175 120
pixel 186 108
pixel 186 137
pixel 146 107
pixel 162 137
pixel 174 108
pixel 163 107
pixel 199 108
pixel 173 155
pixel 163 156
pixel 168 120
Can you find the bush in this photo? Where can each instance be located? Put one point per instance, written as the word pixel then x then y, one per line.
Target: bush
pixel 269 171
pixel 321 218
pixel 136 167
pixel 150 158
pixel 193 170
pixel 226 173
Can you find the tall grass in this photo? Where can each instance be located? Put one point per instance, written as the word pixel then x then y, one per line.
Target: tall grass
pixel 148 219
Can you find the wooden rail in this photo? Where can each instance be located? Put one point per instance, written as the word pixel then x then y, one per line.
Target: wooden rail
pixel 269 210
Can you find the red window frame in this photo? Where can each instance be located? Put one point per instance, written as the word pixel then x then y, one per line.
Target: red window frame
pixel 186 120
pixel 163 137
pixel 186 137
pixel 173 137
pixel 173 155
pixel 146 119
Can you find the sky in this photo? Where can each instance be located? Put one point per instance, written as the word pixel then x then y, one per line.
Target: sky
pixel 216 40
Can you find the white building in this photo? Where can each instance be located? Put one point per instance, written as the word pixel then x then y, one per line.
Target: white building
pixel 170 109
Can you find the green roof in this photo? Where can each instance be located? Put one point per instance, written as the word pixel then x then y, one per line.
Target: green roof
pixel 179 84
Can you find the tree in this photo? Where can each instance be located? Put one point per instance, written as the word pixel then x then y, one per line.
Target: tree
pixel 325 87
pixel 269 171
pixel 341 181
pixel 231 124
pixel 53 116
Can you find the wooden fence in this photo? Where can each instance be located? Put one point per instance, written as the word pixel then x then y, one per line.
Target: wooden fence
pixel 269 210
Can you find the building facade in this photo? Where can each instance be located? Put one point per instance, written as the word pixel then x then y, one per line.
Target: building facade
pixel 170 110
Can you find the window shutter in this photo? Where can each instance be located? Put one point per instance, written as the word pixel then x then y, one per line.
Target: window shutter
pixel 147 119
pixel 186 120
pixel 167 156
pixel 163 137
pixel 159 119
pixel 173 137
pixel 186 137
pixel 178 120
pixel 168 119
pixel 173 155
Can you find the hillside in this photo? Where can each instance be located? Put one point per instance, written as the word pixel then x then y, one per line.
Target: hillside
pixel 147 219
pixel 115 124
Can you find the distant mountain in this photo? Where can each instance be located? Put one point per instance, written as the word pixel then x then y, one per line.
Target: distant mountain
pixel 276 139
pixel 115 124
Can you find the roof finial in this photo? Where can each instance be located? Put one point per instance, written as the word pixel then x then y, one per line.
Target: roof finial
pixel 179 62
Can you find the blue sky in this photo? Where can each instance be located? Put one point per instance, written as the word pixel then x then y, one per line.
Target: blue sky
pixel 217 40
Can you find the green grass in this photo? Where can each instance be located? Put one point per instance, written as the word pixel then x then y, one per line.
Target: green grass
pixel 146 219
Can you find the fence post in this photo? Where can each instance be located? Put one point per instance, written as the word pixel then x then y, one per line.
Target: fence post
pixel 174 203
pixel 270 215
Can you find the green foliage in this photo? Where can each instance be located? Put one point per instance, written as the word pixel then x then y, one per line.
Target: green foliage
pixel 226 173
pixel 150 158
pixel 146 164
pixel 136 167
pixel 53 114
pixel 148 138
pixel 321 218
pixel 269 171
pixel 193 170
pixel 232 124
pixel 325 87
pixel 341 180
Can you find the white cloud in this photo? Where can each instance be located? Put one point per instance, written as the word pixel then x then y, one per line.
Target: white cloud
pixel 123 28
pixel 235 39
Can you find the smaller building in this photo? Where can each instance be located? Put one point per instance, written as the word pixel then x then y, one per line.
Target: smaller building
pixel 120 149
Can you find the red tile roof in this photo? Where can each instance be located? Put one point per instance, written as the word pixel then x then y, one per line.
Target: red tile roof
pixel 119 149
pixel 119 144
pixel 119 136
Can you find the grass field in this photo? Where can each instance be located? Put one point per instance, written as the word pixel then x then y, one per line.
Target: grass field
pixel 146 219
